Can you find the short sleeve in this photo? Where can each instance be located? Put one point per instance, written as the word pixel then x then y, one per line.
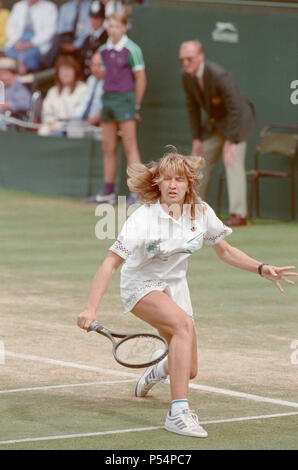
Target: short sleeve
pixel 130 237
pixel 135 57
pixel 216 230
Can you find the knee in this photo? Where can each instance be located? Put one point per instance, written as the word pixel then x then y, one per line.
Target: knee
pixel 130 145
pixel 108 147
pixel 185 326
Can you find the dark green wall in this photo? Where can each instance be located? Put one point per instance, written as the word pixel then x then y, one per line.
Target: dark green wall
pixel 263 64
pixel 51 165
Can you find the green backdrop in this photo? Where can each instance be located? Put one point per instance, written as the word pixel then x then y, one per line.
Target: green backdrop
pixel 263 63
pixel 54 166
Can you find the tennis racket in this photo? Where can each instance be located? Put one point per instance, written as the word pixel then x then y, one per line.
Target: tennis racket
pixel 135 350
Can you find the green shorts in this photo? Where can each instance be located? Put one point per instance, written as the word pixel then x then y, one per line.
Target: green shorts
pixel 118 107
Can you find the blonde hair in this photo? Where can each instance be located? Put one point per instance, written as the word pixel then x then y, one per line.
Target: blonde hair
pixel 119 16
pixel 145 179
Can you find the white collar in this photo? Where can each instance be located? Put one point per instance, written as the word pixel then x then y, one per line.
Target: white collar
pixel 161 212
pixel 120 44
pixel 200 72
pixel 164 215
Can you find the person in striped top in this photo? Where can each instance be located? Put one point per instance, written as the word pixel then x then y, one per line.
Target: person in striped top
pixel 124 88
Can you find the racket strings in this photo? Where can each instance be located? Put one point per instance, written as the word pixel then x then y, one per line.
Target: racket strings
pixel 140 350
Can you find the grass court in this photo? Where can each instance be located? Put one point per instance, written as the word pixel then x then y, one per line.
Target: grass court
pixel 61 388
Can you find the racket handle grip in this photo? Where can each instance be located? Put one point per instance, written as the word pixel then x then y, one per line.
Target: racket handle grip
pixel 93 325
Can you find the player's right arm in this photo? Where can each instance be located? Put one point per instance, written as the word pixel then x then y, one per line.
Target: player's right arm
pixel 99 285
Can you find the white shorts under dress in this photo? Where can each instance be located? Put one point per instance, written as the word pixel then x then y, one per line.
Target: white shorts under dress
pixel 156 248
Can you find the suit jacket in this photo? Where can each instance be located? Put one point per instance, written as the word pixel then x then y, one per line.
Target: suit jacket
pixel 90 45
pixel 227 109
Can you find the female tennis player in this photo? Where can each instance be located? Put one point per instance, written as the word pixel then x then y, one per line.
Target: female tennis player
pixel 155 243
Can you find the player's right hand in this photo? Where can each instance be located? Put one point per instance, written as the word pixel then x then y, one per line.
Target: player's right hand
pixel 85 318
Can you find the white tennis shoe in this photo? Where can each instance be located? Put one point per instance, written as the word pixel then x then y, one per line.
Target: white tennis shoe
pixel 102 199
pixel 106 198
pixel 149 378
pixel 185 423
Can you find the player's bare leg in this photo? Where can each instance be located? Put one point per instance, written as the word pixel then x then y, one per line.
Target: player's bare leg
pixel 160 311
pixel 157 309
pixel 194 356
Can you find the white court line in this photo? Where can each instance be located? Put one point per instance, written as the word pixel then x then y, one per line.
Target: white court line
pixel 249 396
pixel 49 387
pixel 151 428
pixel 222 391
pixel 70 364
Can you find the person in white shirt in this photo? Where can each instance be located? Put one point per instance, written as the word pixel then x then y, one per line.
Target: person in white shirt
pixel 30 30
pixel 155 243
pixel 62 99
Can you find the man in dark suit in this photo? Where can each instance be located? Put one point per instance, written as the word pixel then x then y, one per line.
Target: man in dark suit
pixel 229 121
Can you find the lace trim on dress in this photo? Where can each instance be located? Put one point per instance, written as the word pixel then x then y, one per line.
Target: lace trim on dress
pixel 145 288
pixel 218 236
pixel 120 248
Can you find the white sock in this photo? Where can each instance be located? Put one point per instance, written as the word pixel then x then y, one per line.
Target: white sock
pixel 178 405
pixel 160 370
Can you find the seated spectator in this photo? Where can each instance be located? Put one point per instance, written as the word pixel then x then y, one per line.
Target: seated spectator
pixel 73 28
pixel 62 99
pixel 73 24
pixel 89 110
pixel 17 96
pixel 30 31
pixel 118 6
pixel 4 15
pixel 96 38
pixel 111 6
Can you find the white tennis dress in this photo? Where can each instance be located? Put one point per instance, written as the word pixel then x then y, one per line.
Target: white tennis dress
pixel 156 248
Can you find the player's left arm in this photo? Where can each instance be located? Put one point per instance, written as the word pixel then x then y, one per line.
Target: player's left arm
pixel 137 64
pixel 140 86
pixel 231 255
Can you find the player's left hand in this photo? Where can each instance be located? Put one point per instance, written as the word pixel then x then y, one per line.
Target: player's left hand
pixel 276 274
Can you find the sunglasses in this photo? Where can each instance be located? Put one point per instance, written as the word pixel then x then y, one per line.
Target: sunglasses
pixel 186 59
